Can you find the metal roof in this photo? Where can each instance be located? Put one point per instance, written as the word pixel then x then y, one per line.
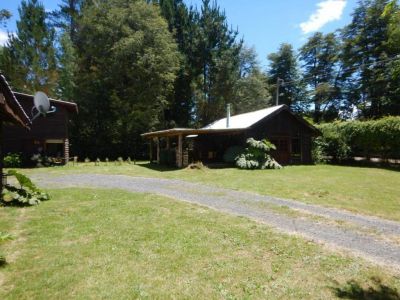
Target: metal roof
pixel 246 120
pixel 237 124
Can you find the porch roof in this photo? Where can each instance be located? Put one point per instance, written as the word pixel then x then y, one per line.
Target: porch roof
pixel 189 131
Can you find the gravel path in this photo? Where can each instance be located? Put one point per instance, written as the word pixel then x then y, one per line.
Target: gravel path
pixel 369 237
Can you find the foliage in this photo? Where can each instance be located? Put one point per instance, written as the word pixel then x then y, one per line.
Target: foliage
pixel 4 16
pixel 370 86
pixel 26 194
pixel 29 58
pixel 340 140
pixel 319 58
pixel 119 101
pixel 284 65
pixel 256 156
pixel 44 161
pixel 12 160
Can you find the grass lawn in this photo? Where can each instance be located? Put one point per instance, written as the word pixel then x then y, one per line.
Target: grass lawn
pixel 370 191
pixel 92 244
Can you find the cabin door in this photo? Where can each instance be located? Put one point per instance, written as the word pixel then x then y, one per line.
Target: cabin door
pixel 282 152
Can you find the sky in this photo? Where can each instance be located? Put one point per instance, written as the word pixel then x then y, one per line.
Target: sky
pixel 264 24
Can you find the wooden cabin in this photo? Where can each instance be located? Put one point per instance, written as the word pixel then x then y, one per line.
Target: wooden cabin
pixel 48 135
pixel 11 112
pixel 291 135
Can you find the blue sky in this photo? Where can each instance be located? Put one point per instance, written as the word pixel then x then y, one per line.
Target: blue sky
pixel 264 24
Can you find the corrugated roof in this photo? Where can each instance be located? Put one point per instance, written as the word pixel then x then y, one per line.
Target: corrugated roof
pixel 246 120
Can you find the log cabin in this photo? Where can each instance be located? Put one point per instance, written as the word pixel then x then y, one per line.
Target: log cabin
pixel 48 135
pixel 291 134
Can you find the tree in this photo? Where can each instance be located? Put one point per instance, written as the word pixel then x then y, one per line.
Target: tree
pixel 283 65
pixel 127 64
pixel 251 89
pixel 182 25
pixel 29 56
pixel 209 69
pixel 4 16
pixel 67 68
pixel 365 58
pixel 217 61
pixel 319 57
pixel 67 17
pixel 392 12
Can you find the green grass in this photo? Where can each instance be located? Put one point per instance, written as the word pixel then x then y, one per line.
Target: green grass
pixel 91 244
pixel 370 191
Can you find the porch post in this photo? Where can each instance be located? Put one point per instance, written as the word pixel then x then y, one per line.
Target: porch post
pixel 1 160
pixel 151 150
pixel 168 145
pixel 179 152
pixel 158 150
pixel 66 151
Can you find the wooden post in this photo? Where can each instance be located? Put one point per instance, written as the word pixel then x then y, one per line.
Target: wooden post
pixel 66 151
pixel 179 152
pixel 168 144
pixel 158 150
pixel 151 150
pixel 1 160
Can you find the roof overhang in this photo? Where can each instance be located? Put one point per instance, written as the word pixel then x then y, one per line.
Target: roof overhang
pixel 10 109
pixel 190 132
pixel 69 106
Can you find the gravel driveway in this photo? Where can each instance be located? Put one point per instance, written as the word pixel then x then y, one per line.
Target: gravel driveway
pixel 370 237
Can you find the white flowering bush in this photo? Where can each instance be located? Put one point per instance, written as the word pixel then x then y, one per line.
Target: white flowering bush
pixel 256 156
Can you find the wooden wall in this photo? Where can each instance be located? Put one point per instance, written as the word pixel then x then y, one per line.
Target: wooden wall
pixel 283 126
pixel 51 127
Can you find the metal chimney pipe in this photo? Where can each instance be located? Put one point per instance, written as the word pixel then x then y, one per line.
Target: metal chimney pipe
pixel 228 114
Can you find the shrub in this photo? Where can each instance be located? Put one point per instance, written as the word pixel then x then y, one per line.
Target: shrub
pixel 27 194
pixel 12 160
pixel 42 160
pixel 342 140
pixel 232 153
pixel 256 156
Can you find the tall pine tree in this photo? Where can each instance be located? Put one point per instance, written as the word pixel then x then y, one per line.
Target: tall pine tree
pixel 365 52
pixel 29 58
pixel 319 58
pixel 284 66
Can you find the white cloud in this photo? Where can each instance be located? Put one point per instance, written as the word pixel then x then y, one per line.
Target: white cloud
pixel 327 11
pixel 3 37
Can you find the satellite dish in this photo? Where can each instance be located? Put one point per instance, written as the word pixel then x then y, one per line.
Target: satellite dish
pixel 41 102
pixel 41 105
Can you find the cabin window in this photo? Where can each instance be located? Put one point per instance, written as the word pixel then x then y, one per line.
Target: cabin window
pixel 296 148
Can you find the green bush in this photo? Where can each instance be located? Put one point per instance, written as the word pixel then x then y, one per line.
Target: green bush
pixel 24 195
pixel 342 140
pixel 256 156
pixel 232 153
pixel 12 160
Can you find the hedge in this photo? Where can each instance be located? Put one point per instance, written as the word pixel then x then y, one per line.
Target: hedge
pixel 375 138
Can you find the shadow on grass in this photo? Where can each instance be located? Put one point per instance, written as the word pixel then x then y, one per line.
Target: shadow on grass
pixel 378 291
pixel 157 167
pixel 367 164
